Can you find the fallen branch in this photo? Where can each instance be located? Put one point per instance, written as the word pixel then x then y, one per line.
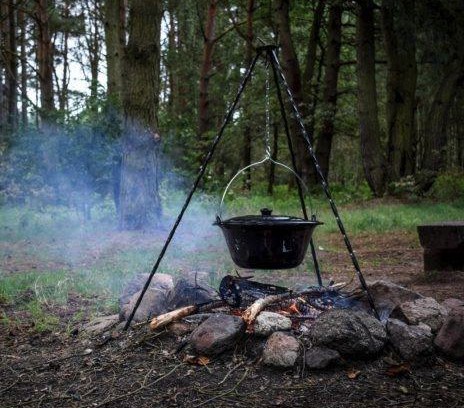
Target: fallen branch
pixel 175 315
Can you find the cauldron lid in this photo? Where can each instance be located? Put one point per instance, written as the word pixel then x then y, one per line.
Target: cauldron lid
pixel 266 218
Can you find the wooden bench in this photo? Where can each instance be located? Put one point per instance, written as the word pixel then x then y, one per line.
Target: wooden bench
pixel 443 244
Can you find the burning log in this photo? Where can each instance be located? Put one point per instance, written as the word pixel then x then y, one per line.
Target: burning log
pixel 175 315
pixel 252 312
pixel 313 298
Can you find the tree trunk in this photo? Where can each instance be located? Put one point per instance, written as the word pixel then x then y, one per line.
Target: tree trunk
pixel 140 206
pixel 12 69
pixel 22 23
pixel 292 74
pixel 371 148
pixel 437 120
pixel 92 39
pixel 45 59
pixel 311 55
pixel 324 143
pixel 63 94
pixel 400 46
pixel 204 113
pixel 3 35
pixel 115 41
pixel 311 84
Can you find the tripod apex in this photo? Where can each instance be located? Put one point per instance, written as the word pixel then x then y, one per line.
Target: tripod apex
pixel 266 48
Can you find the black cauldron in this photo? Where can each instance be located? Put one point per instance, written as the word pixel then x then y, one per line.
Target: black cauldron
pixel 267 241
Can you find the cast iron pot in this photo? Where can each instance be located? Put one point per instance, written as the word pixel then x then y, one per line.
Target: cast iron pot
pixel 267 241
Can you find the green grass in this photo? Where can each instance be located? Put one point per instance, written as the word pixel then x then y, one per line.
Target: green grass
pixel 71 256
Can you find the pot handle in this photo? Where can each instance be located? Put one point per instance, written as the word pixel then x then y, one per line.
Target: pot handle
pixel 267 158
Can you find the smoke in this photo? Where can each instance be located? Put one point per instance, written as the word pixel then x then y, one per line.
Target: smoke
pixel 57 197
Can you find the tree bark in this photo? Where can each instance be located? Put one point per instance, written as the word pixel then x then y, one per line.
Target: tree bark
pixel 204 113
pixel 329 107
pixel 22 23
pixel 246 100
pixel 140 206
pixel 12 69
pixel 371 148
pixel 311 84
pixel 45 59
pixel 3 65
pixel 311 54
pixel 400 46
pixel 437 121
pixel 292 74
pixel 63 92
pixel 115 41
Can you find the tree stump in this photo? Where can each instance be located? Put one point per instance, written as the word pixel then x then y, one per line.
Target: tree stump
pixel 443 245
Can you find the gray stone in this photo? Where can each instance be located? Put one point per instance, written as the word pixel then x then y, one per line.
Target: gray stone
pixel 351 333
pixel 388 295
pixel 426 310
pixel 217 334
pixel 160 281
pixel 269 322
pixel 281 350
pixel 100 325
pixel 410 341
pixel 452 303
pixel 153 303
pixel 450 338
pixel 318 358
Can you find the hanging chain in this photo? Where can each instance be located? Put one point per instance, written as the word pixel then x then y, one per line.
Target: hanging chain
pixel 268 114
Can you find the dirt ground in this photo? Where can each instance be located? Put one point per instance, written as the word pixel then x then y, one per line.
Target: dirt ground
pixel 63 368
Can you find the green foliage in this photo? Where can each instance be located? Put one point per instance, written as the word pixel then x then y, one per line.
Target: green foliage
pixel 404 188
pixel 449 186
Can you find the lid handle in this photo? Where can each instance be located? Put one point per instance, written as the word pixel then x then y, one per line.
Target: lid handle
pixel 266 212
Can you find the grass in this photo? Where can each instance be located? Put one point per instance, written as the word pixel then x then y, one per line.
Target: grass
pixel 50 253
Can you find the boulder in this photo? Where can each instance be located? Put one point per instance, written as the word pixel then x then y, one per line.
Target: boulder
pixel 187 293
pixel 269 322
pixel 410 341
pixel 351 333
pixel 452 303
pixel 217 334
pixel 281 350
pixel 450 338
pixel 425 310
pixel 160 281
pixel 388 295
pixel 101 325
pixel 153 303
pixel 318 358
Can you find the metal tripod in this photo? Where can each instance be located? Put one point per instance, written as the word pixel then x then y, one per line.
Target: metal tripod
pixel 269 52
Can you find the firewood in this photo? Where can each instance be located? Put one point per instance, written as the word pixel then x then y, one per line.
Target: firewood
pixel 163 320
pixel 175 315
pixel 250 314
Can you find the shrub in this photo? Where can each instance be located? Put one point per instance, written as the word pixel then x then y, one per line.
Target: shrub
pixel 449 186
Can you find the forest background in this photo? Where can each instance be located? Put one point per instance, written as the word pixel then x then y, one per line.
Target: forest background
pixel 114 99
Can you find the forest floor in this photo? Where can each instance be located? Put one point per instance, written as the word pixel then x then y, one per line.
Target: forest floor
pixel 50 286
